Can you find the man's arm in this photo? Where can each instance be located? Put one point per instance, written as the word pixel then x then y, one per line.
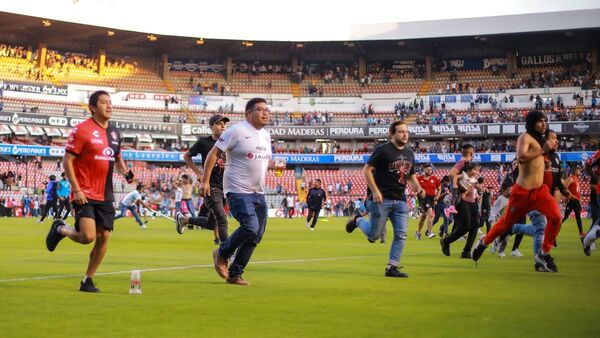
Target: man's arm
pixel 209 164
pixel 590 171
pixel 367 172
pixel 187 157
pixel 415 186
pixel 78 195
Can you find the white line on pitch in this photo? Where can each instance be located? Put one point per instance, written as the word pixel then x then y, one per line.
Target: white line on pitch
pixel 180 268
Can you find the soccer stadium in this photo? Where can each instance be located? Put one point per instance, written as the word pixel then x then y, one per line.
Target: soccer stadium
pixel 265 169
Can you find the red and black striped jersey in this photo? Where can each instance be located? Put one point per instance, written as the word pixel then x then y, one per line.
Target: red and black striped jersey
pixel 95 149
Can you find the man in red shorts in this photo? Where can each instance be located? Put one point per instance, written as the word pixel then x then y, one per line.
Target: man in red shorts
pixel 92 152
pixel 529 192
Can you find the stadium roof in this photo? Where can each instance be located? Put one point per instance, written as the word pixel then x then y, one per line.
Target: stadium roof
pixel 317 20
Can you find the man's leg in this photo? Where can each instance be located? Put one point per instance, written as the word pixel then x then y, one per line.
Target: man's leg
pixel 217 207
pixel 61 206
pixel 399 217
pixel 378 214
pixel 314 222
pixel 123 212
pixel 190 206
pixel 98 252
pixel 577 210
pixel 133 211
pixel 69 208
pixel 255 224
pixel 547 205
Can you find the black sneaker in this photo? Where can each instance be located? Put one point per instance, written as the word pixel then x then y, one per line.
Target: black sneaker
pixel 478 250
pixel 587 250
pixel 502 243
pixel 539 267
pixel 546 261
pixel 54 237
pixel 179 226
pixel 217 241
pixel 392 271
pixel 351 224
pixel 465 255
pixel 445 246
pixel 88 286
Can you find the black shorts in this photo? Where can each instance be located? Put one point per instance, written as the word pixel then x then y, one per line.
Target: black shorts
pixel 102 212
pixel 426 203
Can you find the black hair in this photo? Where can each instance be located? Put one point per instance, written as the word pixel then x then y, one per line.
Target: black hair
pixel 52 178
pixel 466 147
pixel 470 166
pixel 139 187
pixel 253 102
pixel 531 119
pixel 93 101
pixel 480 180
pixel 446 178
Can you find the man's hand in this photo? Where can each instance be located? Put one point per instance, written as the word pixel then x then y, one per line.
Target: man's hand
pixel 421 193
pixel 204 189
pixel 79 198
pixel 377 196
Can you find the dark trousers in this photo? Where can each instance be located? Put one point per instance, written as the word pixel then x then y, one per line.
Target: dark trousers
pixel 314 215
pixel 574 205
pixel 484 219
pixel 49 205
pixel 216 217
pixel 466 221
pixel 66 205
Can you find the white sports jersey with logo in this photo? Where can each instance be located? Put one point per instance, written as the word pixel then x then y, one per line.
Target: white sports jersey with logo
pixel 248 153
pixel 131 198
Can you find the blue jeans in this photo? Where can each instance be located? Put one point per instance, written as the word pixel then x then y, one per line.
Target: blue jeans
pixel 397 212
pixel 133 210
pixel 535 229
pixel 190 206
pixel 250 210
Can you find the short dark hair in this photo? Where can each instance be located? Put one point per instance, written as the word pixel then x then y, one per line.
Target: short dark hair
pixel 318 180
pixel 393 126
pixel 471 165
pixel 253 102
pixel 465 147
pixel 139 187
pixel 446 178
pixel 428 165
pixel 93 101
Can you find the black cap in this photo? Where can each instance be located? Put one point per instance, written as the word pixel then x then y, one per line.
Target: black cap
pixel 216 118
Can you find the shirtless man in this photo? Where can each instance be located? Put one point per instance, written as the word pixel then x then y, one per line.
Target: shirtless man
pixel 529 192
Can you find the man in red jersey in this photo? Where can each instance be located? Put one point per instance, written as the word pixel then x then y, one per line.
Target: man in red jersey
pixel 431 185
pixel 92 152
pixel 529 193
pixel 574 203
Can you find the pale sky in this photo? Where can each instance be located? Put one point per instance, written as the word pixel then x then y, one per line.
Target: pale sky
pixel 305 20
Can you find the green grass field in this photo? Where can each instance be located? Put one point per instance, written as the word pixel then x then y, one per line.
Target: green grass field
pixel 325 283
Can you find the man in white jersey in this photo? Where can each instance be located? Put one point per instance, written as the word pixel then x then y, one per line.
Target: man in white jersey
pixel 248 149
pixel 130 203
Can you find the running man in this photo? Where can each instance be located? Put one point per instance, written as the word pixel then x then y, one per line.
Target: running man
pixel 92 152
pixel 63 192
pixel 131 202
pixel 390 168
pixel 529 192
pixel 574 203
pixel 592 167
pixel 215 202
pixel 248 148
pixel 315 198
pixel 431 184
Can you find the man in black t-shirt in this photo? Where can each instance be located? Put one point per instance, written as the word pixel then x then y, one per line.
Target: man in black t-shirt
pixel 217 219
pixel 389 169
pixel 315 199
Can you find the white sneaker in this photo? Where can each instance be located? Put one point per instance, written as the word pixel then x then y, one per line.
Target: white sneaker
pixel 501 254
pixel 312 229
pixel 307 225
pixel 418 235
pixel 494 246
pixel 430 235
pixel 591 236
pixel 143 226
pixel 516 253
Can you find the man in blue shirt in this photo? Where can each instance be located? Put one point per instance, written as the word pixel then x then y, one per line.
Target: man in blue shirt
pixel 63 192
pixel 51 199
